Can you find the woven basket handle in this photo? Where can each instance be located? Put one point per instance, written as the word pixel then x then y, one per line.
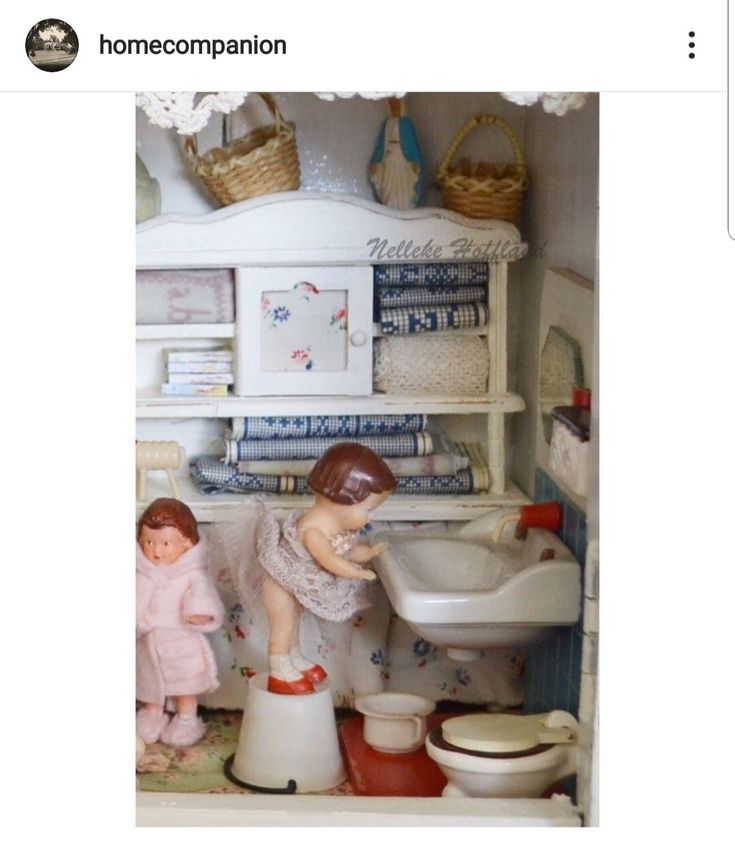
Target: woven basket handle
pixel 471 125
pixel 191 146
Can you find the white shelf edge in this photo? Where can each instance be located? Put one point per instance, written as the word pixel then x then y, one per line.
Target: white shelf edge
pixel 400 508
pixel 151 405
pixel 157 809
pixel 184 331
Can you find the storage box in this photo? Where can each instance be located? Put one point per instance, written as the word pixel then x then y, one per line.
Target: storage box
pixel 569 458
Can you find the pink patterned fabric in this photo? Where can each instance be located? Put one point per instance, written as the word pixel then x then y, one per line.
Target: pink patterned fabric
pixel 285 559
pixel 184 296
pixel 173 657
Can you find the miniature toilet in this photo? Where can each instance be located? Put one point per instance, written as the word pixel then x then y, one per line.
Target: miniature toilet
pixel 496 755
pixel 287 743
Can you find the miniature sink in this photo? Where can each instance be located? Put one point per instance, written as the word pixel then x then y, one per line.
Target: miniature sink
pixel 468 593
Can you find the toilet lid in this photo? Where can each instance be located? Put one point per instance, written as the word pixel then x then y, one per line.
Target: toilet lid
pixel 502 733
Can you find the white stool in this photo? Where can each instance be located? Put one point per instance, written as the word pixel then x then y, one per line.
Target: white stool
pixel 287 743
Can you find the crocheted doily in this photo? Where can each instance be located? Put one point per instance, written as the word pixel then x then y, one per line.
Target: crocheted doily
pixel 441 363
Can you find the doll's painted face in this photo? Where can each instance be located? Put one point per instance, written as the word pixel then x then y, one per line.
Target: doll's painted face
pixel 163 545
pixel 355 517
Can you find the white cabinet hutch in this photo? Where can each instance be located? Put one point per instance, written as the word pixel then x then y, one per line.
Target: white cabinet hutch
pixel 275 242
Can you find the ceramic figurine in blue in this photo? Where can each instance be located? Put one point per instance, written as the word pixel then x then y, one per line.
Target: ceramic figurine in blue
pixel 397 167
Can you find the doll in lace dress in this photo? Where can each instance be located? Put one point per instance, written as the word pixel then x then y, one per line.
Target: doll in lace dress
pixel 313 562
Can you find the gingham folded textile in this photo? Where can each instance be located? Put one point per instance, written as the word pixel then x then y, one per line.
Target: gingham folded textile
pixel 397 297
pixel 432 318
pixel 388 445
pixel 353 425
pixel 212 476
pixel 439 273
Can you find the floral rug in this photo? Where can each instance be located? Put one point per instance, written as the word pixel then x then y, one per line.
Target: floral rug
pixel 199 768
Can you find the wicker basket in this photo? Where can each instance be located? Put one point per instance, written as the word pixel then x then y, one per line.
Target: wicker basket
pixel 264 161
pixel 484 189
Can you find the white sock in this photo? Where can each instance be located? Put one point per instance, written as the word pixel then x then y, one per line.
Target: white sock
pixel 282 668
pixel 298 659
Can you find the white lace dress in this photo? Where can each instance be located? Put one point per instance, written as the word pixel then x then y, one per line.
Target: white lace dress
pixel 287 561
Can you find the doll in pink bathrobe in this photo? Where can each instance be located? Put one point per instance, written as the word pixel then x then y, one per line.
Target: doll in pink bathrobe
pixel 176 605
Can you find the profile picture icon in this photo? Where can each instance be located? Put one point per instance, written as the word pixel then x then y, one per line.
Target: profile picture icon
pixel 52 45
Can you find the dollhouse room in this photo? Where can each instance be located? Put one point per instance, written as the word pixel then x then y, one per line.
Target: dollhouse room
pixel 366 458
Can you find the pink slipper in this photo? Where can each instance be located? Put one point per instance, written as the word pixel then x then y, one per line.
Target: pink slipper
pixel 182 731
pixel 150 724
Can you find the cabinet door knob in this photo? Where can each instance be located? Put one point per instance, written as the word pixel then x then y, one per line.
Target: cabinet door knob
pixel 358 338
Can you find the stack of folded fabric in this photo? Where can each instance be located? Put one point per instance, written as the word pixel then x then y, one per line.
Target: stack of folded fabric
pixel 198 372
pixel 411 298
pixel 275 454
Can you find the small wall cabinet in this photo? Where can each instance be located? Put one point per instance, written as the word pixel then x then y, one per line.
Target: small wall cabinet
pixel 308 332
pixel 303 333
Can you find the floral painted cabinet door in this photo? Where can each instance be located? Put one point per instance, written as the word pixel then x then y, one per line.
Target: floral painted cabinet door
pixel 306 330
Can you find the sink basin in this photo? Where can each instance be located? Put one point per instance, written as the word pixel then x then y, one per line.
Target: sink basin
pixel 468 593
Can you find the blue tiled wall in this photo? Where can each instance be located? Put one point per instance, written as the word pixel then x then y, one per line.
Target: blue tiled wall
pixel 553 666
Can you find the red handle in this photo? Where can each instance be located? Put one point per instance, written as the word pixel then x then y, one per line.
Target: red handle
pixel 544 515
pixel 582 398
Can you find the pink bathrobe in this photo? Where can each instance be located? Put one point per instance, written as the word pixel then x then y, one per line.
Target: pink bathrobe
pixel 173 657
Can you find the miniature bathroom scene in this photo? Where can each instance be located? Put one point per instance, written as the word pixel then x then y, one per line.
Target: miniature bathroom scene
pixel 366 458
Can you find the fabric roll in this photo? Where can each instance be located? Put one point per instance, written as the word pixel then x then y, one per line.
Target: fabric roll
pixel 432 318
pixel 441 463
pixel 441 363
pixel 389 445
pixel 437 273
pixel 396 297
pixel 212 476
pixel 344 425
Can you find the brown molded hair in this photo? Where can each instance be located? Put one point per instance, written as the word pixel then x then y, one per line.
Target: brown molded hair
pixel 347 473
pixel 170 513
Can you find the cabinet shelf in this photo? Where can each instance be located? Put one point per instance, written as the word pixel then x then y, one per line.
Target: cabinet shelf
pixel 185 331
pixel 224 507
pixel 151 405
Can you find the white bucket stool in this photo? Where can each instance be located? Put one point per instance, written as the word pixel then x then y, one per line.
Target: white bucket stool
pixel 287 743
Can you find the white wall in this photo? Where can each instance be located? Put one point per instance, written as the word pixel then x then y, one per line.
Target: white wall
pixel 560 218
pixel 335 140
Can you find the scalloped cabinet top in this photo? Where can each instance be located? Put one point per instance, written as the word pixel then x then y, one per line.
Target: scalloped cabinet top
pixel 299 227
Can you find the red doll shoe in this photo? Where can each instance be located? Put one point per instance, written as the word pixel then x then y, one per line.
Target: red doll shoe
pixel 301 687
pixel 315 674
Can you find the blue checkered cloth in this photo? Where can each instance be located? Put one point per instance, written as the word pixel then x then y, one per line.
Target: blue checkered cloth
pixel 433 318
pixel 397 297
pixel 347 425
pixel 388 446
pixel 212 476
pixel 437 273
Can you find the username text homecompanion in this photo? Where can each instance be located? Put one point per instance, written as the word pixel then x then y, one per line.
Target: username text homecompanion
pixel 212 47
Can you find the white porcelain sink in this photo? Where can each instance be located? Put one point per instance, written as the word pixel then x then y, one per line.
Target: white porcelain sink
pixel 467 592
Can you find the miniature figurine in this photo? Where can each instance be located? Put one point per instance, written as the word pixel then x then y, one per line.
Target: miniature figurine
pixel 177 603
pixel 312 561
pixel 397 169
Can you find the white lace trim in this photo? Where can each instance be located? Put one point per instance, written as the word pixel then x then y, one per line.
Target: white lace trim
pixel 554 102
pixel 178 109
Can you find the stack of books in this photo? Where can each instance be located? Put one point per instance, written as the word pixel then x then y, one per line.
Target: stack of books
pixel 198 372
